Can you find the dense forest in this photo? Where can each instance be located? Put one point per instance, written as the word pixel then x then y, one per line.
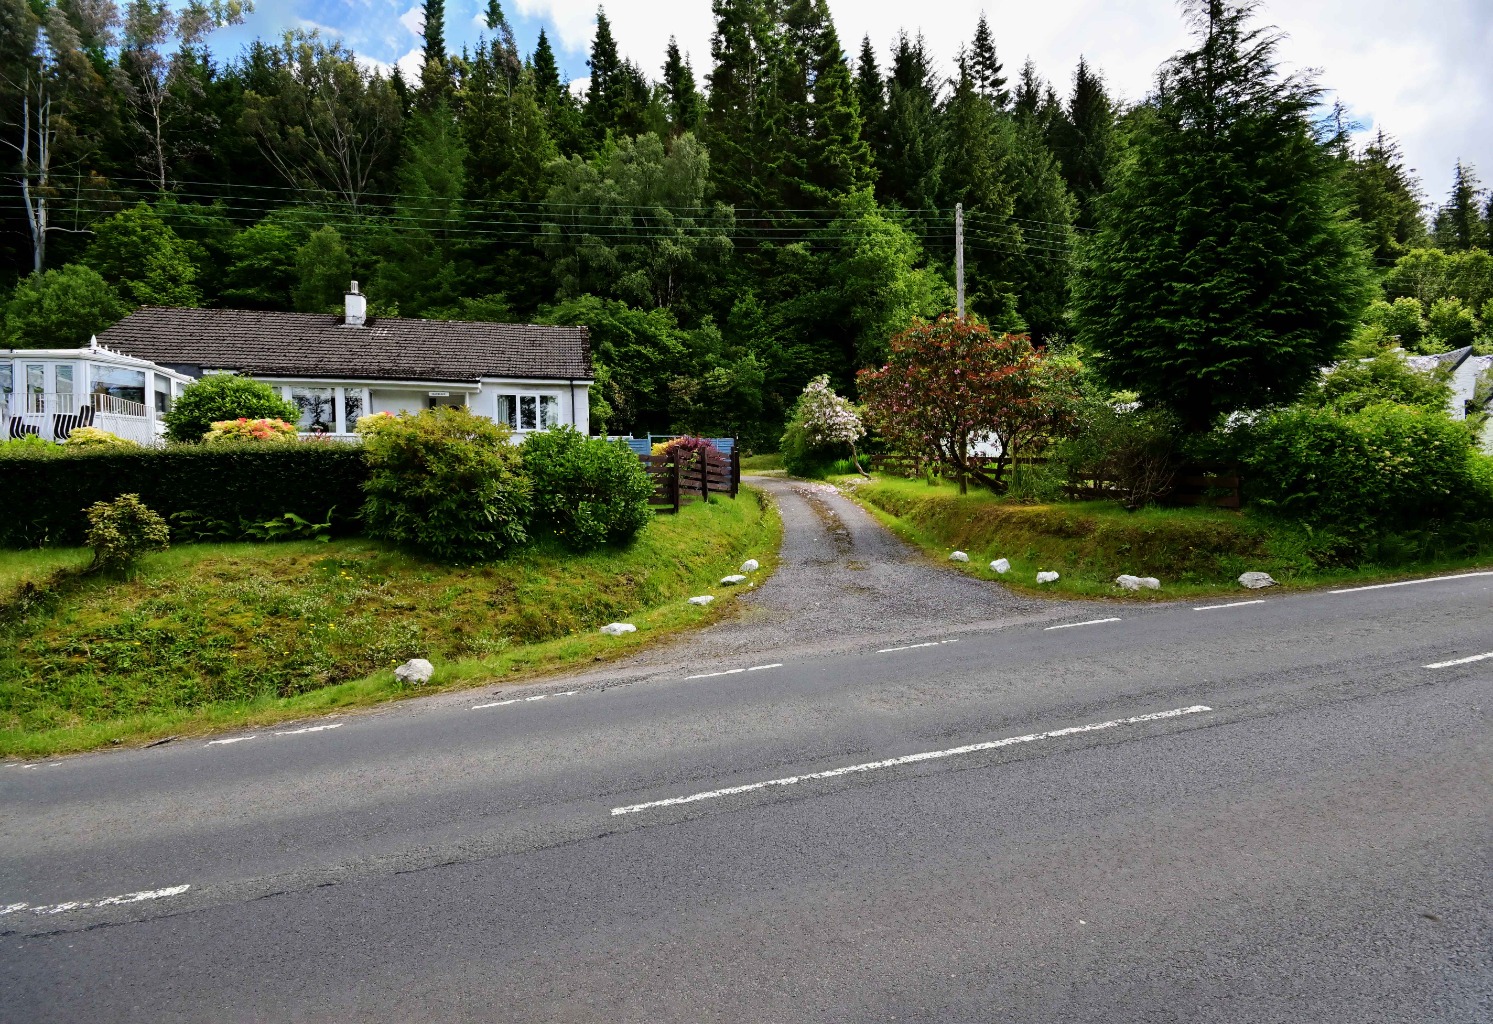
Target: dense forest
pixel 728 233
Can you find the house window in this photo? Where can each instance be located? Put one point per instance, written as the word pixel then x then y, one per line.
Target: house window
pixel 318 409
pixel 118 383
pixel 163 395
pixel 36 386
pixel 528 412
pixel 549 411
pixel 64 375
pixel 352 407
pixel 7 381
pixel 508 411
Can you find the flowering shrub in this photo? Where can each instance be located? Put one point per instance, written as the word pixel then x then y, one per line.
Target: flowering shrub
pixel 93 437
pixel 373 421
pixel 685 446
pixel 224 396
pixel 822 425
pixel 244 429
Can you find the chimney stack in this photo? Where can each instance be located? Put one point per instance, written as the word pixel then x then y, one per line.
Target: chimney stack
pixel 357 307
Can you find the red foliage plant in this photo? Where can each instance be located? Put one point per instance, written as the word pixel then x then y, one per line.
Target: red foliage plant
pixel 688 448
pixel 952 384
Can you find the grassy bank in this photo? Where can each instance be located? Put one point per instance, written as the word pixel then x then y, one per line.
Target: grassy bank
pixel 1195 552
pixel 216 635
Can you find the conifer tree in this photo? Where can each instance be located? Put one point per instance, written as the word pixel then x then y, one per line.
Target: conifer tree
pixel 1043 211
pixel 435 72
pixel 985 67
pixel 870 97
pixel 684 103
pixel 1387 199
pixel 826 156
pixel 604 96
pixel 1028 91
pixel 910 166
pixel 1459 224
pixel 740 130
pixel 1084 141
pixel 1226 273
pixel 562 112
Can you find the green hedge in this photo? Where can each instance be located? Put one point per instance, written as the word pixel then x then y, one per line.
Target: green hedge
pixel 49 489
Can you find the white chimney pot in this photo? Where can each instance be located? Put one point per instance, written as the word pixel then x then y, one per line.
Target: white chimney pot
pixel 356 306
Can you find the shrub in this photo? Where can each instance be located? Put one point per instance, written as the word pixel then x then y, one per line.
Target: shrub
pixel 446 483
pixel 587 491
pixel 245 429
pixel 93 437
pixel 1354 385
pixel 685 446
pixel 122 530
pixel 1132 450
pixel 217 483
pixel 26 443
pixel 1386 468
pixel 823 425
pixel 224 396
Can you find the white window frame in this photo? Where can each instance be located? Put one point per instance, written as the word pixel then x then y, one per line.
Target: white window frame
pixel 517 397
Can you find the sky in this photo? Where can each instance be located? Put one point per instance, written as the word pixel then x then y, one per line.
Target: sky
pixel 1420 70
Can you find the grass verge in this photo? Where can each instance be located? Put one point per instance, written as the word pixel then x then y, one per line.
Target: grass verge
pixel 1195 552
pixel 213 636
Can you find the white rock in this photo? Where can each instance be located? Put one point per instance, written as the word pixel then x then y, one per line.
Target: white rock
pixel 959 556
pixel 750 565
pixel 414 672
pixel 1000 565
pixel 702 600
pixel 731 581
pixel 618 628
pixel 1128 582
pixel 1047 577
pixel 1256 580
pixel 1150 582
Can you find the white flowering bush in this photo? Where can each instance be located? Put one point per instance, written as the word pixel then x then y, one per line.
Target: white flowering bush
pixel 823 425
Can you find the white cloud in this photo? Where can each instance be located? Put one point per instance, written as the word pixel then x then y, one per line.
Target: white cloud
pixel 1418 69
pixel 414 20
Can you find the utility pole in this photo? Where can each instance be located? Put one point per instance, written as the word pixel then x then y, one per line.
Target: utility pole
pixel 959 255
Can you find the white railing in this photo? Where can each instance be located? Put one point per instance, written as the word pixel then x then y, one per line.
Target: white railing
pixel 48 415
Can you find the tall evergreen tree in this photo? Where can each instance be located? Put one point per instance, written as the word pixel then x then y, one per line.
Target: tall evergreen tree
pixel 1387 199
pixel 739 120
pixel 684 103
pixel 562 112
pixel 870 96
pixel 1084 141
pixel 1028 96
pixel 985 67
pixel 909 168
pixel 435 71
pixel 826 156
pixel 1043 211
pixel 1459 223
pixel 605 94
pixel 1226 272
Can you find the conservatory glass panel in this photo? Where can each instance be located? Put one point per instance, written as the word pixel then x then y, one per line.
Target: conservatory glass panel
pixel 118 382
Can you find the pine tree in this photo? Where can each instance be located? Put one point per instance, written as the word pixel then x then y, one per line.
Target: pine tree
pixel 1225 274
pixel 435 72
pixel 546 69
pixel 1084 141
pixel 825 154
pixel 1043 211
pixel 870 95
pixel 604 96
pixel 562 112
pixel 1387 199
pixel 684 102
pixel 1459 225
pixel 909 169
pixel 740 128
pixel 985 67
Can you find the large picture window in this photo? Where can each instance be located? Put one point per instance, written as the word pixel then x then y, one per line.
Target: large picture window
pixel 318 409
pixel 118 382
pixel 352 407
pixel 528 412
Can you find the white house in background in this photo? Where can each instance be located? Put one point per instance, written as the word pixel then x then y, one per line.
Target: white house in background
pixel 338 368
pixel 1466 370
pixel 50 392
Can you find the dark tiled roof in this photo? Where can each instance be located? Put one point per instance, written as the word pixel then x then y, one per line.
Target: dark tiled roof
pixel 321 345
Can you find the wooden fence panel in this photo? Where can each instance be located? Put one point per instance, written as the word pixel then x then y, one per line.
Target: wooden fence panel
pixel 677 480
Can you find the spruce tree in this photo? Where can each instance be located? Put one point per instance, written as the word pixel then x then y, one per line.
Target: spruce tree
pixel 1459 224
pixel 435 71
pixel 870 95
pixel 985 67
pixel 1028 91
pixel 739 121
pixel 1084 141
pixel 604 96
pixel 1226 273
pixel 910 166
pixel 562 112
pixel 1043 211
pixel 1387 199
pixel 684 104
pixel 826 156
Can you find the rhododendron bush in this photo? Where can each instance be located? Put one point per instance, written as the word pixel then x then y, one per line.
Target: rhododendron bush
pixel 822 424
pixel 245 429
pixel 951 385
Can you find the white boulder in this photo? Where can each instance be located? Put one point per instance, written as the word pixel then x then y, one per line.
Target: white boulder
pixel 1150 582
pixel 702 600
pixel 1256 580
pixel 1138 582
pixel 618 628
pixel 731 581
pixel 1000 565
pixel 750 565
pixel 414 672
pixel 1047 577
pixel 959 556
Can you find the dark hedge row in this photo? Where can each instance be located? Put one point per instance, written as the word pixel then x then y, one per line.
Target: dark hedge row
pixel 48 491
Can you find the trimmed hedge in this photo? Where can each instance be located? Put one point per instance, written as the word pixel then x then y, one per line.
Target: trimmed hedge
pixel 50 489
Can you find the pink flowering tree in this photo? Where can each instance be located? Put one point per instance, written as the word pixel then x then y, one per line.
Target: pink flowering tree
pixel 821 420
pixel 951 385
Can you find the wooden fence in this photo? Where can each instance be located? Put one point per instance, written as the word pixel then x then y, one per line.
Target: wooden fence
pixel 1216 485
pixel 682 477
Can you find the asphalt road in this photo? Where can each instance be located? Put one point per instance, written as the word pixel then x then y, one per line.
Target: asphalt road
pixel 941 803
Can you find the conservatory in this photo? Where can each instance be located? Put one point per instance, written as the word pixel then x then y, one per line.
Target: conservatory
pixel 49 393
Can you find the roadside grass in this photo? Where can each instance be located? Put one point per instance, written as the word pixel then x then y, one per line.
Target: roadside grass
pixel 1195 552
pixel 212 636
pixel 762 463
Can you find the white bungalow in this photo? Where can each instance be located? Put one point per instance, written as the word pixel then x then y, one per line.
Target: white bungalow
pixel 338 368
pixel 50 392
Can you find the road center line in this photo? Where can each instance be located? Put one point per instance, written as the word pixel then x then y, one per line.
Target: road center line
pixel 734 671
pixel 913 647
pixel 524 700
pixel 311 728
pixel 107 901
pixel 1461 661
pixel 231 739
pixel 1412 583
pixel 1070 625
pixel 1236 604
pixel 893 762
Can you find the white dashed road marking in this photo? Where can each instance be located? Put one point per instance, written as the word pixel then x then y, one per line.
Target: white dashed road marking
pixel 107 901
pixel 913 647
pixel 523 700
pixel 311 728
pixel 893 762
pixel 231 739
pixel 1461 661
pixel 735 671
pixel 1236 604
pixel 1412 583
pixel 1070 625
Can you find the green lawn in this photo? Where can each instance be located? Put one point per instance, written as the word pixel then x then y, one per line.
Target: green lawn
pixel 214 635
pixel 1195 552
